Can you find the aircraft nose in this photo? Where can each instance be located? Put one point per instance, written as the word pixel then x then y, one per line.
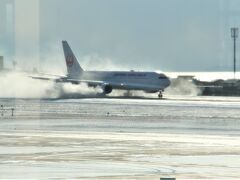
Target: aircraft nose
pixel 164 80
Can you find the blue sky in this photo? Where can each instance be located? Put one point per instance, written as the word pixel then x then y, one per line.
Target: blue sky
pixel 168 35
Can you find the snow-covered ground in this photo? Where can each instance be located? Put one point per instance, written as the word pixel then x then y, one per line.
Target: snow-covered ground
pixel 186 138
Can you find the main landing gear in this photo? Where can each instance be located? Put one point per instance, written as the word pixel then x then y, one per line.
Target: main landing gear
pixel 160 95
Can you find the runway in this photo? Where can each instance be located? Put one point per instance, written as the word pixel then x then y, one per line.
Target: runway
pixel 118 138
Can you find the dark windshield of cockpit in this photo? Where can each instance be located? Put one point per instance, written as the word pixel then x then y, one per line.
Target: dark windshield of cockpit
pixel 161 76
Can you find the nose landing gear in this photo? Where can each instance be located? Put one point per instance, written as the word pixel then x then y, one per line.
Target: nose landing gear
pixel 160 95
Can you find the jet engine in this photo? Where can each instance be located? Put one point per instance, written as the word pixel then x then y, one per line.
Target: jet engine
pixel 106 88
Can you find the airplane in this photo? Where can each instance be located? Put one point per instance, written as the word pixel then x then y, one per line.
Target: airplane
pixel 150 82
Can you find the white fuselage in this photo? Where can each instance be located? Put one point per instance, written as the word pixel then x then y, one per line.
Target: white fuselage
pixel 129 80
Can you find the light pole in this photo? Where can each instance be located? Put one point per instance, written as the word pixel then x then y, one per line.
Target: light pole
pixel 234 35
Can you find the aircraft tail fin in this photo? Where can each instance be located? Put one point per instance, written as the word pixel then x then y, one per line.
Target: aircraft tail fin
pixel 74 69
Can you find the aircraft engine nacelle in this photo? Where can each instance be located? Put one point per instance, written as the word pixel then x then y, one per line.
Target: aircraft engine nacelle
pixel 75 83
pixel 106 88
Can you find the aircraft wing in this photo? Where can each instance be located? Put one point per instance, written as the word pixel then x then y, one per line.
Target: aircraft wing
pixel 89 82
pixel 55 79
pixel 53 75
pixel 48 77
pixel 64 79
pixel 117 85
pixel 43 78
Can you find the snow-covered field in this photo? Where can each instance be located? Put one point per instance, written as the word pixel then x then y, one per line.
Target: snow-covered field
pixel 99 138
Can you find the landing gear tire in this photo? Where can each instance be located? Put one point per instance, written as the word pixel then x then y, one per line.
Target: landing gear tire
pixel 160 96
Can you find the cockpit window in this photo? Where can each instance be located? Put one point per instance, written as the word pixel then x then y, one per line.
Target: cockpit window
pixel 162 77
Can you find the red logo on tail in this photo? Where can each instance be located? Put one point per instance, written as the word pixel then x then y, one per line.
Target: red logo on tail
pixel 69 60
